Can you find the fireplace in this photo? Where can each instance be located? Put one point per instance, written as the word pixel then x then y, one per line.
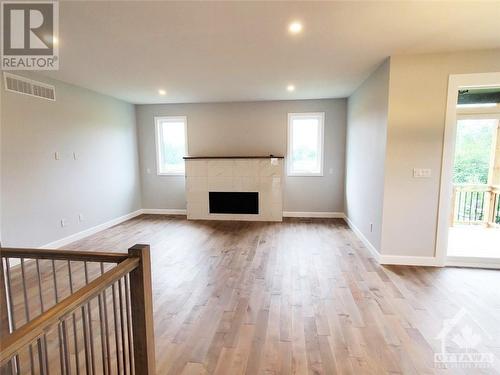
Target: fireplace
pixel 221 202
pixel 234 188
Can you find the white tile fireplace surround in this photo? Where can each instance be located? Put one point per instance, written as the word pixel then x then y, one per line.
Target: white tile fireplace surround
pixel 263 175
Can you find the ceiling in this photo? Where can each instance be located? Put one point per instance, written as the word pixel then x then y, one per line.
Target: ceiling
pixel 237 51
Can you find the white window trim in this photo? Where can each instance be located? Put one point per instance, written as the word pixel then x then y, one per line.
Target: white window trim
pixel 157 120
pixel 321 117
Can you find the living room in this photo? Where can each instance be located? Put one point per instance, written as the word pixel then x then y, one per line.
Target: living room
pixel 288 168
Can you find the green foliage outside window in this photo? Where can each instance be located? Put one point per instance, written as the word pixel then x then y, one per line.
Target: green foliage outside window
pixel 473 151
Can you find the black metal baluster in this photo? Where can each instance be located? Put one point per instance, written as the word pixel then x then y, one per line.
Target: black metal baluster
pixel 27 313
pixel 459 215
pixel 10 306
pixel 59 328
pixel 481 217
pixel 469 205
pixel 116 325
pixel 91 330
pixel 106 324
pixel 75 331
pixel 476 206
pixel 497 216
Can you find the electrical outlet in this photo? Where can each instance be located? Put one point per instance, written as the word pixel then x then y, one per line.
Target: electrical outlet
pixel 81 218
pixel 64 222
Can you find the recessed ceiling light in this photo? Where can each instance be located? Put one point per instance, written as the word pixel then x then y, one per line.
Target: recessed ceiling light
pixel 290 88
pixel 162 92
pixel 295 27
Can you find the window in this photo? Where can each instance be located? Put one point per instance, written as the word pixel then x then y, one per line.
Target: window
pixel 305 144
pixel 474 153
pixel 170 145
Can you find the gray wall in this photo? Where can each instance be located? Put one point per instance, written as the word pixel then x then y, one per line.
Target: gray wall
pixel 38 191
pixel 246 128
pixel 365 154
pixel 417 107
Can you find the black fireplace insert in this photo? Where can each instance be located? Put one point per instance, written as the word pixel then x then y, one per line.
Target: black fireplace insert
pixel 233 202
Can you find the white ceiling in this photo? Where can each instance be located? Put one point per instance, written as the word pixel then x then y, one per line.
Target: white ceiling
pixel 235 51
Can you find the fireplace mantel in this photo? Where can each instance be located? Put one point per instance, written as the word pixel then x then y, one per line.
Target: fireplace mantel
pixel 233 157
pixel 238 174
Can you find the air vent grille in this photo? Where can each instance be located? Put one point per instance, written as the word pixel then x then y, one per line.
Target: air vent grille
pixel 27 86
pixel 44 91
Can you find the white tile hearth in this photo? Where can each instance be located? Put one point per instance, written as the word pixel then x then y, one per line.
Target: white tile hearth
pixel 234 175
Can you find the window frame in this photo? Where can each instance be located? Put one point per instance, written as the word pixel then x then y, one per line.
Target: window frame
pixel 157 121
pixel 321 143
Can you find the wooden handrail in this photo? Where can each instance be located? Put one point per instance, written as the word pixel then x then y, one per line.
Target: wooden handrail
pixel 472 187
pixel 476 186
pixel 85 256
pixel 35 328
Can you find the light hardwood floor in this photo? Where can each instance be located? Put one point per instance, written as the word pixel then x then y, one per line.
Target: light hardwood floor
pixel 298 297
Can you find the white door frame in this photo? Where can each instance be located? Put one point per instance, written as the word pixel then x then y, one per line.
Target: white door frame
pixel 456 82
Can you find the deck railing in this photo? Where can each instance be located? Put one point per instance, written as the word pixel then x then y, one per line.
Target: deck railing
pixel 476 204
pixel 69 312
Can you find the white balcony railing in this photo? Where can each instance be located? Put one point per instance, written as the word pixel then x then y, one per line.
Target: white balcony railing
pixel 476 204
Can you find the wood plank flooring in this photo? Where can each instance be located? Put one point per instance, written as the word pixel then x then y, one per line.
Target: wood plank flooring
pixel 298 297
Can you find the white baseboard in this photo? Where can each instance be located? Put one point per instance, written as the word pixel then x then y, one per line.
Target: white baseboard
pixel 476 262
pixel 325 215
pixel 160 211
pixel 492 263
pixel 363 239
pixel 173 211
pixel 404 260
pixel 88 232
pixel 392 259
pixel 164 211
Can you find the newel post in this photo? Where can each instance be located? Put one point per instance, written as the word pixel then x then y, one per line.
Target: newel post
pixel 142 311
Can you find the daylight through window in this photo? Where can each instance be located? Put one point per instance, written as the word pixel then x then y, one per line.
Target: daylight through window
pixel 170 145
pixel 305 144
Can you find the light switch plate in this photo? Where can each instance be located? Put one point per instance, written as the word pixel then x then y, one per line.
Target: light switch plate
pixel 421 173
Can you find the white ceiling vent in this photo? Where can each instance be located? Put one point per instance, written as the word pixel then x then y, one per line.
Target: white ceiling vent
pixel 27 86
